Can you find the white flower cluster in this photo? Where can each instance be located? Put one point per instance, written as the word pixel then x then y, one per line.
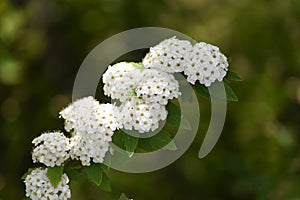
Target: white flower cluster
pixel 143 94
pixel 139 115
pixel 93 125
pixel 157 87
pixel 207 64
pixel 87 115
pixel 51 149
pixel 120 80
pixel 39 187
pixel 170 55
pixel 203 62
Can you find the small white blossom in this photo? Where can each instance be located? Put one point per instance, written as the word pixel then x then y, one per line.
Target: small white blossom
pixel 136 114
pixel 157 87
pixel 207 64
pixel 121 79
pixel 51 149
pixel 170 55
pixel 87 115
pixel 93 126
pixel 39 187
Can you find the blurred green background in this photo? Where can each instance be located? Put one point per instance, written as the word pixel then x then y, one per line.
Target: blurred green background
pixel 43 43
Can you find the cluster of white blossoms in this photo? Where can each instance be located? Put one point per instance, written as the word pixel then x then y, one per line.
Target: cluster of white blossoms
pixel 207 64
pixel 170 55
pixel 51 149
pixel 157 87
pixel 93 125
pixel 90 147
pixel 203 62
pixel 137 114
pixel 87 115
pixel 143 94
pixel 39 187
pixel 121 79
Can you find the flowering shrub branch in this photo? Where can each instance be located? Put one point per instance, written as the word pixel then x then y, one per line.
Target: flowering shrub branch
pixel 144 94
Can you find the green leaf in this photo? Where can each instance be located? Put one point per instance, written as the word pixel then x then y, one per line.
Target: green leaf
pixel 27 173
pixel 162 140
pixel 105 185
pixel 170 146
pixel 105 168
pixel 73 174
pixel 117 139
pixel 233 76
pixel 123 197
pixel 185 123
pixel 174 114
pixel 132 94
pixel 229 60
pixel 138 65
pixel 94 173
pixel 130 143
pixel 143 144
pixel 230 95
pixel 54 174
pixel 202 90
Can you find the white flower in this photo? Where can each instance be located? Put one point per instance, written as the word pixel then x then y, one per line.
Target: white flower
pixel 136 114
pixel 93 126
pixel 38 186
pixel 207 64
pixel 86 115
pixel 121 79
pixel 157 87
pixel 170 55
pixel 90 147
pixel 51 149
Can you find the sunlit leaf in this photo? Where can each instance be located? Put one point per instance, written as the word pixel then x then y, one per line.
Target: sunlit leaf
pixel 54 174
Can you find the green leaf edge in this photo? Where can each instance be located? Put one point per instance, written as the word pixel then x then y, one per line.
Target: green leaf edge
pixel 54 174
pixel 89 171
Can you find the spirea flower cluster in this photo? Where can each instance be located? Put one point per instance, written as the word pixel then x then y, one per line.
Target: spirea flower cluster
pixel 143 94
pixel 137 114
pixel 170 55
pixel 39 187
pixel 88 116
pixel 121 79
pixel 203 62
pixel 51 149
pixel 93 125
